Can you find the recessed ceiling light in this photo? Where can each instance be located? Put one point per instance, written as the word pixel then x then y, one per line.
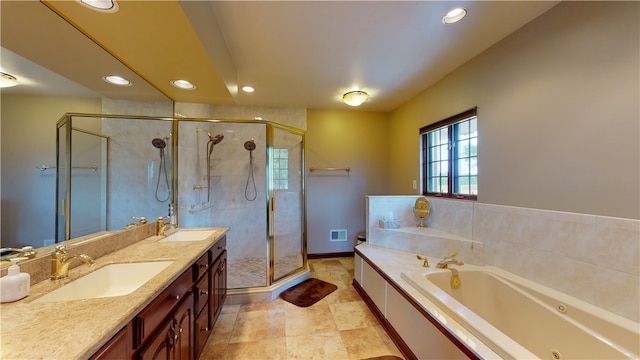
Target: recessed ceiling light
pixel 7 80
pixel 454 15
pixel 183 84
pixel 116 80
pixel 101 5
pixel 248 89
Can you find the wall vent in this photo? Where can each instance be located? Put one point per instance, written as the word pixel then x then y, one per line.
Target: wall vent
pixel 338 235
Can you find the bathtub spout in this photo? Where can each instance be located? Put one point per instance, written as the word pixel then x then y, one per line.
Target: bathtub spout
pixel 454 281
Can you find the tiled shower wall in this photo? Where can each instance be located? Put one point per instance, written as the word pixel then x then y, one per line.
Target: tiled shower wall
pixel 593 258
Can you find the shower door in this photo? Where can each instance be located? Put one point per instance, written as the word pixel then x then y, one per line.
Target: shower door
pixel 286 231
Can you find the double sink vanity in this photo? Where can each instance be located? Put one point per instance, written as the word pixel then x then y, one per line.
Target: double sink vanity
pixel 158 297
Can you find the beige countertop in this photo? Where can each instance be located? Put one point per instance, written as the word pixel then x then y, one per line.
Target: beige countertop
pixel 77 329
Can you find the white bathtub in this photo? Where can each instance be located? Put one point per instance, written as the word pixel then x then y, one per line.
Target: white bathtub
pixel 519 319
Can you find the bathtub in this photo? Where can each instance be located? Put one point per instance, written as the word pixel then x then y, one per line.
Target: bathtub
pixel 520 319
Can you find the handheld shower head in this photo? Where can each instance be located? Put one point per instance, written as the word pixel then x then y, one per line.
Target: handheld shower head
pixel 159 143
pixel 250 145
pixel 217 139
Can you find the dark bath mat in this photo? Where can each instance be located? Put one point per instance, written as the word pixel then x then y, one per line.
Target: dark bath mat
pixel 308 292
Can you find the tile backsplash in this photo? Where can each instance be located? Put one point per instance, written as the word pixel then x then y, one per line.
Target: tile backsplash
pixel 593 258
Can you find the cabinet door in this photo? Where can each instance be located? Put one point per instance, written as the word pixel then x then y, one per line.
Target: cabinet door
pixel 118 348
pixel 161 346
pixel 375 286
pixel 183 327
pixel 218 287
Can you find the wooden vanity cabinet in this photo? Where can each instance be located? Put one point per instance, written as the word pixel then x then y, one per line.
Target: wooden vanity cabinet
pixel 119 347
pixel 218 286
pixel 210 290
pixel 178 322
pixel 174 340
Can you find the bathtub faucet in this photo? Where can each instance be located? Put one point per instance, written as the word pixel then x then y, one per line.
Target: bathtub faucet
pixel 454 281
pixel 449 260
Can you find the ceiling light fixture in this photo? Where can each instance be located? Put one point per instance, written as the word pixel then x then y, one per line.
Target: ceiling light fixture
pixel 101 5
pixel 7 80
pixel 355 98
pixel 183 84
pixel 117 80
pixel 454 15
pixel 248 89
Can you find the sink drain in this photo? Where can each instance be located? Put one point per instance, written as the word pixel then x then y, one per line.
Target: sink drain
pixel 562 308
pixel 556 355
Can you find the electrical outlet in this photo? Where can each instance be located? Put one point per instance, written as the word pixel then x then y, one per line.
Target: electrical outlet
pixel 415 185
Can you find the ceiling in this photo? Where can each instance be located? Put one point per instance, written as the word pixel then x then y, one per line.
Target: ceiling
pixel 294 53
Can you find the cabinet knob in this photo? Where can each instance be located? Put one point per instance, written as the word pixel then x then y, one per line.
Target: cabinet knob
pixel 177 297
pixel 202 266
pixel 204 292
pixel 206 328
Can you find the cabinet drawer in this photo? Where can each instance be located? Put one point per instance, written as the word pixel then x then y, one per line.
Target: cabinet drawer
pixel 218 248
pixel 203 330
pixel 153 315
pixel 200 267
pixel 201 292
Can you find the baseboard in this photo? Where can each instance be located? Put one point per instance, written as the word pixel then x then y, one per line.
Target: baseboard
pixel 330 255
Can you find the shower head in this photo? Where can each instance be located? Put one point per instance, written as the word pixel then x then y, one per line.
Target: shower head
pixel 216 139
pixel 159 143
pixel 250 145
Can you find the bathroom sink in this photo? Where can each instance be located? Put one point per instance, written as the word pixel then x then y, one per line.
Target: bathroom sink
pixel 108 281
pixel 189 235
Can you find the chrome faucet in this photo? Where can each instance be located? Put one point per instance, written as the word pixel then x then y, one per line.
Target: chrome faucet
pixel 161 226
pixel 454 281
pixel 60 262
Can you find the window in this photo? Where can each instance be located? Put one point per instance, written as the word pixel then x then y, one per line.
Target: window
pixel 281 169
pixel 450 157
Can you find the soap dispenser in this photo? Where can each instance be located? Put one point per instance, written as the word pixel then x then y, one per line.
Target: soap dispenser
pixel 15 285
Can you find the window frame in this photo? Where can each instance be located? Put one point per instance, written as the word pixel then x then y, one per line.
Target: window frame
pixel 448 123
pixel 280 182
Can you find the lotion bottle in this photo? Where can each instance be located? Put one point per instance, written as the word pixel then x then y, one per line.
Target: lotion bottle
pixel 15 285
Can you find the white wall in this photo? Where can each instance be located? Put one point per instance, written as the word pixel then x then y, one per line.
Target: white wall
pixel 558 113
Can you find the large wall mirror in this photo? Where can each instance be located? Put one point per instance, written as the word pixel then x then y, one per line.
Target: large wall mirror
pixel 60 71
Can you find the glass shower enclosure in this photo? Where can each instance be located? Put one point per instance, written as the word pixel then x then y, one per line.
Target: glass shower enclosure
pixel 248 176
pixel 243 174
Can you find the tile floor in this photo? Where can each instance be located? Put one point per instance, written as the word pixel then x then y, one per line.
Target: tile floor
pixel 340 326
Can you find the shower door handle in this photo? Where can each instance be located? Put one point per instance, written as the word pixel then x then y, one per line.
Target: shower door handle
pixel 272 206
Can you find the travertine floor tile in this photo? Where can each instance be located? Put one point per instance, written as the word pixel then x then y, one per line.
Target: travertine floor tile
pixel 258 325
pixel 275 305
pixel 365 343
pixel 338 327
pixel 342 295
pixel 270 349
pixel 314 319
pixel 223 328
pixel 352 315
pixel 316 346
